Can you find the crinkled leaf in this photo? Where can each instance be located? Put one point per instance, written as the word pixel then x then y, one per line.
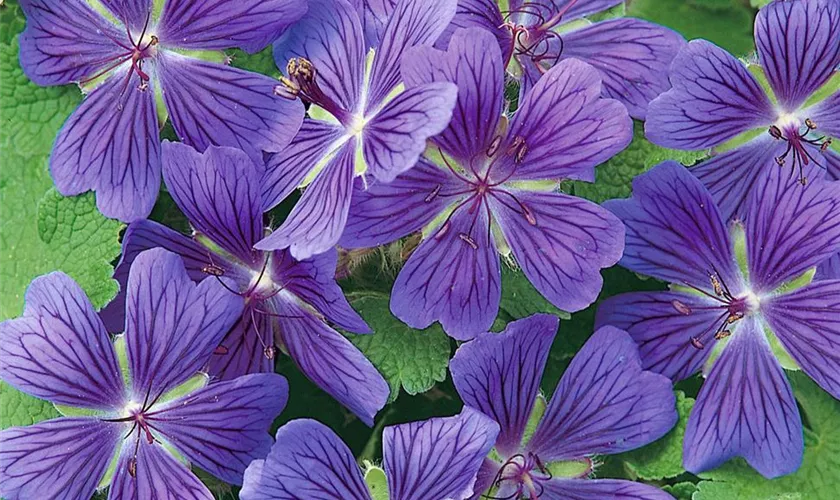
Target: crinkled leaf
pixel 407 358
pixel 520 299
pixel 12 21
pixel 681 491
pixel 261 62
pixel 18 409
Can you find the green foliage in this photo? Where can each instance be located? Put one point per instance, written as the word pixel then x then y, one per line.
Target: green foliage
pixel 261 62
pixel 12 21
pixel 817 479
pixel 681 491
pixel 18 409
pixel 520 299
pixel 407 358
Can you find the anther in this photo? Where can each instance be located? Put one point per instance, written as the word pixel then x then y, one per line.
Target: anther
pixel 529 216
pixel 144 86
pixel 681 308
pixel 780 161
pixel 722 334
pixel 132 467
pixel 220 350
pixel 775 132
pixel 716 285
pixel 520 153
pixel 269 352
pixel 431 196
pixel 468 240
pixel 287 89
pixel 213 270
pixel 810 124
pixel 494 146
pixel 695 342
pixel 442 231
pixel 824 146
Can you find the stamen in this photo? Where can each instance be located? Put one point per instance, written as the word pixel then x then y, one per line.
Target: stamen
pixel 775 132
pixel 695 342
pixel 304 79
pixel 431 196
pixel 494 146
pixel 681 307
pixel 220 350
pixel 213 270
pixel 468 240
pixel 810 124
pixel 722 334
pixel 132 467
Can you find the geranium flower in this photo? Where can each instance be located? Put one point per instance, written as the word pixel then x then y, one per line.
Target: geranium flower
pixel 360 121
pixel 785 117
pixel 141 67
pixel 431 459
pixel 737 306
pixel 288 302
pixel 137 413
pixel 605 403
pixel 494 190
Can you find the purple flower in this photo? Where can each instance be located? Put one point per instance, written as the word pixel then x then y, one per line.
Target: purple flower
pixel 604 404
pixel 139 407
pixel 287 301
pixel 784 117
pixel 737 303
pixel 432 459
pixel 360 120
pixel 111 144
pixel 494 190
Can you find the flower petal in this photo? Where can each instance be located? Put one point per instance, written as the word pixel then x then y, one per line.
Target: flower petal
pixel 219 192
pixel 807 323
pixel 307 461
pixel 483 14
pixel 597 489
pixel 745 408
pixel 790 227
pixel 561 243
pixel 631 55
pixel 158 474
pixel 500 374
pixel 111 145
pixel 567 126
pixel 437 458
pixel 605 403
pixel 172 324
pixel 330 361
pixel 212 104
pixel 220 24
pixel 826 115
pixel 386 212
pixel 674 230
pixel 799 47
pixel 286 170
pixel 132 13
pixel 480 77
pixel 317 220
pixel 452 277
pixel 830 269
pixel 67 42
pixel 574 9
pixel 241 352
pixel 713 98
pixel 330 37
pixel 61 458
pixel 412 23
pixel 396 136
pixel 730 176
pixel 59 350
pixel 224 426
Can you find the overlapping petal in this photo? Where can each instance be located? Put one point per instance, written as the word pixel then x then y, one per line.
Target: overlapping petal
pixel 132 13
pixel 483 14
pixel 745 408
pixel 826 114
pixel 242 350
pixel 830 269
pixel 713 98
pixel 605 403
pixel 616 489
pixel 500 374
pixel 437 458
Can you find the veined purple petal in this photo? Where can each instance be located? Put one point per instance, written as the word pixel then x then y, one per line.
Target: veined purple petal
pixel 313 281
pixel 605 403
pixel 63 458
pixel 561 243
pixel 382 213
pixel 111 145
pixel 437 458
pixel 132 13
pixel 674 231
pixel 219 192
pixel 396 136
pixel 598 489
pixel 826 115
pixel 172 324
pixel 807 323
pixel 745 408
pixel 212 104
pixel 730 176
pixel 567 126
pixel 830 269
pixel 574 9
pixel 412 23
pixel 798 43
pixel 483 14
pixel 832 165
pixel 317 220
pixel 500 375
pixel 330 37
pixel 67 41
pixel 713 98
pixel 331 361
pixel 632 56
pixel 59 350
pixel 663 324
pixel 307 461
pixel 374 15
pixel 452 277
pixel 158 474
pixel 478 70
pixel 790 227
pixel 241 352
pixel 224 426
pixel 221 24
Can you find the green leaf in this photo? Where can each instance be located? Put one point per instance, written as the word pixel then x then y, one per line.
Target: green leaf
pixel 12 21
pixel 681 491
pixel 261 62
pixel 520 299
pixel 817 478
pixel 662 458
pixel 376 482
pixel 613 178
pixel 18 409
pixel 413 359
